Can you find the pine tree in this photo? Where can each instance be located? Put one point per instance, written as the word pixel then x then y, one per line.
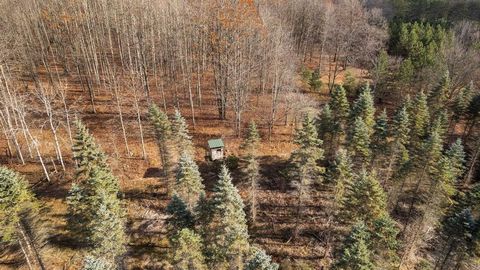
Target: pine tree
pixel 163 135
pixel 19 211
pixel 380 71
pixel 260 261
pixel 203 215
pixel 399 154
pixel 188 184
pixel 364 108
pixel 420 118
pixel 380 135
pixel 359 142
pixel 384 233
pixel 462 101
pixel 325 125
pixel 252 172
pixel 85 151
pixel 342 174
pixel 180 216
pixel 438 97
pixel 227 233
pixel 355 253
pixel 365 200
pixel 304 159
pixel 187 251
pixel 456 154
pixel 406 72
pixel 96 263
pixel 339 105
pixel 181 135
pixel 94 203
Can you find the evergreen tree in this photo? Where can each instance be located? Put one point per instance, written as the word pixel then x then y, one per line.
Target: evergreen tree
pixel 384 242
pixel 355 253
pixel 227 233
pixel 19 221
pixel 203 215
pixel 438 97
pixel 163 135
pixel 96 263
pixel 315 82
pixel 85 152
pixel 399 154
pixel 364 108
pixel 188 185
pixel 340 107
pixel 187 251
pixel 325 125
pixel 420 118
pixel 380 135
pixel 406 73
pixel 304 159
pixel 252 172
pixel 342 174
pixel 365 200
pixel 462 101
pixel 456 154
pixel 260 261
pixel 359 142
pixel 380 71
pixel 93 203
pixel 180 216
pixel 181 135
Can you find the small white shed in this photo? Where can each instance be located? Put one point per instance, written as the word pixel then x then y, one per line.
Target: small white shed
pixel 216 149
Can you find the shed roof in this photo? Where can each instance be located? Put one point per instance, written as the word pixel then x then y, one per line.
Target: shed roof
pixel 215 143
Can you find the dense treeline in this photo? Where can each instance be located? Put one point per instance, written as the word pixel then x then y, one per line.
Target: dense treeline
pixel 393 149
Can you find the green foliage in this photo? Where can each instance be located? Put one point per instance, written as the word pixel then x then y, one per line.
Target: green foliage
pixel 181 135
pixel 304 160
pixel 188 184
pixel 95 215
pixel 315 82
pixel 180 216
pixel 400 133
pixel 163 135
pixel 306 74
pixel 260 261
pixel 380 134
pixel 96 263
pixel 325 123
pixel 355 253
pixel 384 234
pixel 187 251
pixel 420 117
pixel 232 162
pixel 252 140
pixel 406 72
pixel 359 141
pixel 438 97
pixel 365 199
pixel 380 71
pixel 350 84
pixel 15 201
pixel 340 109
pixel 341 174
pixel 364 108
pixel 227 233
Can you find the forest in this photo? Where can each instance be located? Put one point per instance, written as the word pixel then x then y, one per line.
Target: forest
pixel 347 134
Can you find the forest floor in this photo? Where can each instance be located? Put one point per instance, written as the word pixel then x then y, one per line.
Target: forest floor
pixel 144 189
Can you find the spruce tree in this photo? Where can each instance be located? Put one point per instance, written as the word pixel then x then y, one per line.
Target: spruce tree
pixel 342 174
pixel 93 203
pixel 251 170
pixel 340 107
pixel 384 244
pixel 380 135
pixel 187 251
pixel 326 127
pixel 96 263
pixel 180 216
pixel 227 233
pixel 420 119
pixel 359 142
pixel 188 184
pixel 181 135
pixel 85 151
pixel 260 261
pixel 365 200
pixel 462 101
pixel 364 108
pixel 399 154
pixel 355 253
pixel 163 135
pixel 304 159
pixel 438 97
